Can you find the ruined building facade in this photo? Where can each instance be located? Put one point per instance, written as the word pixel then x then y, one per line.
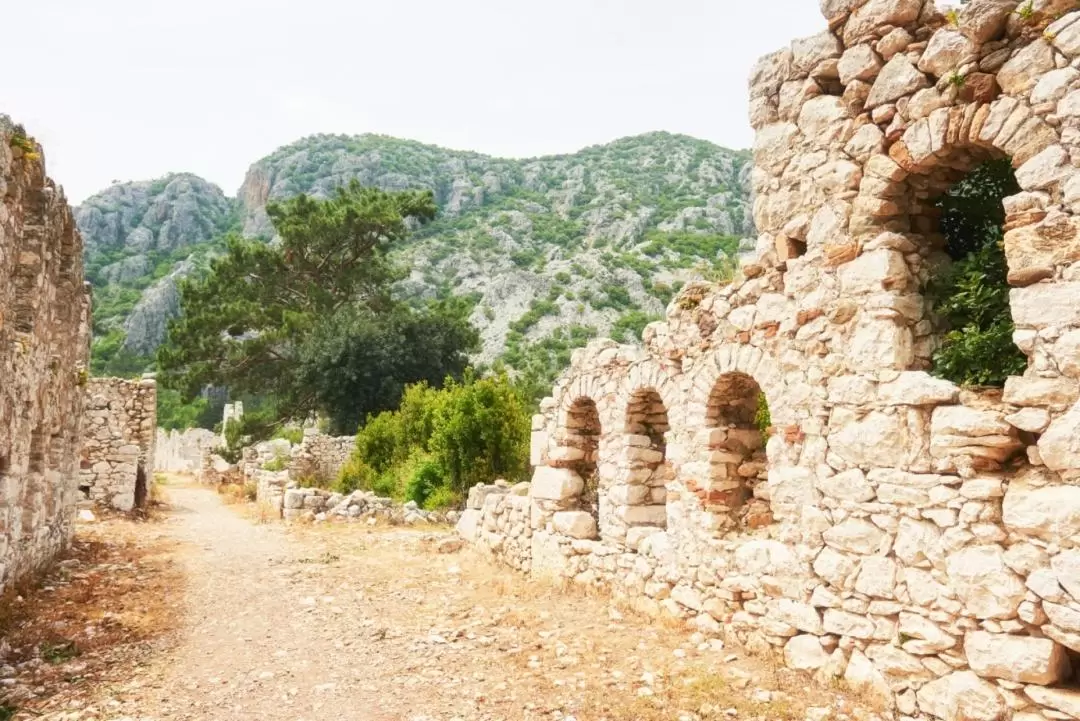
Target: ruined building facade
pixel 44 344
pixel 119 434
pixel 919 540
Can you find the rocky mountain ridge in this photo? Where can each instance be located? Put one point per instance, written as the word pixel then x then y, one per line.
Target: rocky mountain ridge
pixel 551 250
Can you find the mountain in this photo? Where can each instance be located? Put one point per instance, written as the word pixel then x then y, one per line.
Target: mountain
pixel 552 250
pixel 139 239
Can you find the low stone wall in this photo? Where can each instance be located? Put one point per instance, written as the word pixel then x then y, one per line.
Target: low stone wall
pixel 178 451
pixel 315 504
pixel 118 441
pixel 496 519
pixel 319 457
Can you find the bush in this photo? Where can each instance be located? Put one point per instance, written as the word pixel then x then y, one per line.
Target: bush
pixel 440 442
pixel 292 434
pixel 426 477
pixel 972 295
pixel 443 498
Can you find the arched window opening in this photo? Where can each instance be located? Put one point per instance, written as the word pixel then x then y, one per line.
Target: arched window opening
pixel 644 497
pixel 583 433
pixel 971 293
pixel 738 422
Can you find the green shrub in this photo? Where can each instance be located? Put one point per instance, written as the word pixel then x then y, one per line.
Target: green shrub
pixel 440 442
pixel 277 463
pixel 292 434
pixel 763 417
pixel 443 498
pixel 972 295
pixel 426 477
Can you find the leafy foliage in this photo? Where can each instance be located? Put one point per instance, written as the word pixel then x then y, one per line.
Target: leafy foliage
pixel 441 442
pixel 973 294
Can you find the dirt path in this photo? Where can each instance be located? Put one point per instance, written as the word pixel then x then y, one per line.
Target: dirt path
pixel 346 622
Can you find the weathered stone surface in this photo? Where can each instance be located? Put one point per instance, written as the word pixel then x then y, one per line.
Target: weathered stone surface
pixel 1059 446
pixel 878 13
pixel 984 20
pixel 856 536
pixel 1016 658
pixel 1023 68
pixel 804 653
pixel 948 50
pixel 897 79
pixel 556 484
pixel 984 584
pixel 963 696
pixel 122 425
pixel 575 524
pixel 1051 513
pixel 1046 304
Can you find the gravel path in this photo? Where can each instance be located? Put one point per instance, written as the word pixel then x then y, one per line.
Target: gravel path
pixel 341 621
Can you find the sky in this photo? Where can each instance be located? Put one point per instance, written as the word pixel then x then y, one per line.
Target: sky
pixel 133 89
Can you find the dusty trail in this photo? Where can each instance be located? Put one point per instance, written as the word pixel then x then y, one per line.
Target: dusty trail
pixel 346 622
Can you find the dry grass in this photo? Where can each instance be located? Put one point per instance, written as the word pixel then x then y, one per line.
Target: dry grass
pixel 100 609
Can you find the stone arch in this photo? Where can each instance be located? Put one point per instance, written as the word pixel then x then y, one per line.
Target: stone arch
pixel 730 465
pixel 579 449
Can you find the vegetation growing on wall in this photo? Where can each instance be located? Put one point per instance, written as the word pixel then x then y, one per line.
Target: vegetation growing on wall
pixel 972 295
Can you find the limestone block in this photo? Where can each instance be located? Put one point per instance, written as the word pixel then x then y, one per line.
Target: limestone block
pixel 984 20
pixel 875 271
pixel 948 50
pixel 556 484
pixel 875 14
pixel 294 498
pixel 468 524
pixel 1024 659
pixel 863 677
pixel 844 623
pixel 917 388
pixel 1045 169
pixel 847 486
pixel 983 583
pixel 874 439
pixel 1065 700
pixel 857 535
pixel 1046 304
pixel 1032 420
pixel 807 53
pixel 880 343
pixel 877 577
pixel 1066 565
pixel 963 696
pixel 836 568
pixel 1051 513
pixel 925 636
pixel 1024 68
pixel 1053 393
pixel 897 79
pixel 900 668
pixel 1059 446
pixel 859 63
pixel 575 524
pixel 805 653
pixel 643 515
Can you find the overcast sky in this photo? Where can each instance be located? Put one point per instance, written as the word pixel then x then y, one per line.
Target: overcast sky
pixel 132 89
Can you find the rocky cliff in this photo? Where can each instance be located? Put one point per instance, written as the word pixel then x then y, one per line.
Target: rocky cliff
pixel 552 250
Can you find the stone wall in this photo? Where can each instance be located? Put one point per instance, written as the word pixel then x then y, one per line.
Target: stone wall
pixel 44 344
pixel 320 457
pixel 118 441
pixel 918 540
pixel 183 451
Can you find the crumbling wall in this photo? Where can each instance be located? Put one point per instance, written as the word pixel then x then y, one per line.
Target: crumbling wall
pixel 177 451
pixel 320 457
pixel 44 344
pixel 119 433
pixel 919 540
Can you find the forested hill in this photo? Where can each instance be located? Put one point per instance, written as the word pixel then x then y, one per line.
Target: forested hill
pixel 552 250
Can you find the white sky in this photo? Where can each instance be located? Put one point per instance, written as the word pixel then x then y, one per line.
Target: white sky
pixel 132 89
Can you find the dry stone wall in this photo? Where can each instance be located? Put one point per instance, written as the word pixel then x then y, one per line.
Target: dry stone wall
pixel 44 344
pixel 320 457
pixel 177 451
pixel 918 540
pixel 119 432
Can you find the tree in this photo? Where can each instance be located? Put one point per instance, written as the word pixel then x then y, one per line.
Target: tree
pixel 266 318
pixel 359 361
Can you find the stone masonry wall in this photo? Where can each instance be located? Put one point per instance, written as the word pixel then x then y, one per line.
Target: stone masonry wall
pixel 183 451
pixel 44 344
pixel 918 540
pixel 320 457
pixel 118 441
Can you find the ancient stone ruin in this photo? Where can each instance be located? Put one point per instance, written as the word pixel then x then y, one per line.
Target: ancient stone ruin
pixel 119 432
pixel 44 344
pixel 919 540
pixel 183 451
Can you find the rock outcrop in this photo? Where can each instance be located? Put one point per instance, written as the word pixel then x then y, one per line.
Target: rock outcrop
pixel 918 540
pixel 44 343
